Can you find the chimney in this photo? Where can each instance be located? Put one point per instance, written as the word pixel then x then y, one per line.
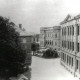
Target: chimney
pixel 20 26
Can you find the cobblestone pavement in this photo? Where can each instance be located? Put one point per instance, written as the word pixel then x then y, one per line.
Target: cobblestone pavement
pixel 49 69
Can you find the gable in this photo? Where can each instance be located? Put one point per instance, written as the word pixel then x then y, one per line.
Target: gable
pixel 67 18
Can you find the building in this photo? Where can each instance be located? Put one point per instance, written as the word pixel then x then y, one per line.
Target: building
pixel 26 41
pixel 42 36
pixel 36 38
pixel 50 37
pixel 56 38
pixel 26 38
pixel 70 44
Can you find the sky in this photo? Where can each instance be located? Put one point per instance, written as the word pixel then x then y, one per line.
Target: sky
pixel 33 14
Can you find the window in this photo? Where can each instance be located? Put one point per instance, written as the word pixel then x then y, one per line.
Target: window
pixel 55 43
pixel 73 46
pixel 63 56
pixel 52 34
pixel 46 43
pixel 70 45
pixel 24 40
pixel 37 39
pixel 62 43
pixel 65 30
pixel 78 47
pixel 68 30
pixel 77 29
pixel 72 61
pixel 55 35
pixel 67 59
pixel 50 42
pixel 77 64
pixel 65 44
pixel 72 30
pixel 48 35
pixel 62 31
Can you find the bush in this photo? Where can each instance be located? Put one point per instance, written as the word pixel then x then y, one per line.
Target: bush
pixel 50 53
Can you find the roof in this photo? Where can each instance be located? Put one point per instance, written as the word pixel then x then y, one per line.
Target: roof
pixel 51 28
pixel 46 28
pixel 70 17
pixel 56 27
pixel 23 32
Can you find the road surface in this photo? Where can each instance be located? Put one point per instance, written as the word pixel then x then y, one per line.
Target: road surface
pixel 49 69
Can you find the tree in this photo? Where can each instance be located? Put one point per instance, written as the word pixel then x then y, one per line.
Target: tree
pixel 37 46
pixel 12 56
pixel 34 47
pixel 50 53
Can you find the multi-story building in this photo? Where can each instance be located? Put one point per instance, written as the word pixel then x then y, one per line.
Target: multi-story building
pixel 48 40
pixel 56 37
pixel 42 36
pixel 50 37
pixel 70 44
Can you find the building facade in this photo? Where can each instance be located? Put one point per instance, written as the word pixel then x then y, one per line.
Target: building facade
pixel 42 36
pixel 26 38
pixel 36 38
pixel 26 42
pixel 50 37
pixel 70 44
pixel 56 37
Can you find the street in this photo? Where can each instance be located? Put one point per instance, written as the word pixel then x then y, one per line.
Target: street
pixel 49 69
